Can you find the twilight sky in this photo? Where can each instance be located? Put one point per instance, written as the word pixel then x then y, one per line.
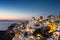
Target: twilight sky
pixel 19 9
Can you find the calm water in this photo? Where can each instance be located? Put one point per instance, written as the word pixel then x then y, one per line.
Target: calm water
pixel 5 24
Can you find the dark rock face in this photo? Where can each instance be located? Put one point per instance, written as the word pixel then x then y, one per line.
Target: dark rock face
pixel 2 34
pixel 6 36
pixel 12 26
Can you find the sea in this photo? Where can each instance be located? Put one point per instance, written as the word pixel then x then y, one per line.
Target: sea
pixel 4 24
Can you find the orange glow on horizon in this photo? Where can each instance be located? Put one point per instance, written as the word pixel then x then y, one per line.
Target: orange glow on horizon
pixel 13 18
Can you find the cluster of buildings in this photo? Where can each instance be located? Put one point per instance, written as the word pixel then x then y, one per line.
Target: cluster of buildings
pixel 38 29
